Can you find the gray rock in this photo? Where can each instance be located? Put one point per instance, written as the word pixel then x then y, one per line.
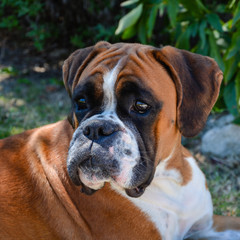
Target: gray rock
pixel 215 121
pixel 222 141
pixel 224 120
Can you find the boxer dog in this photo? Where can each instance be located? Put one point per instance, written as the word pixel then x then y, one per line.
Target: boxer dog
pixel 130 105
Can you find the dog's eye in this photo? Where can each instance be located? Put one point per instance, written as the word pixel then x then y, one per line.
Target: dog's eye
pixel 81 104
pixel 141 107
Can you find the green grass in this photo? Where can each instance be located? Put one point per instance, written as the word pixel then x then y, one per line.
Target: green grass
pixel 29 103
pixel 224 184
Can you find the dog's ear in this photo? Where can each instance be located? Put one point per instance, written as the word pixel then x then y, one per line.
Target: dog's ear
pixel 73 67
pixel 197 79
pixel 77 61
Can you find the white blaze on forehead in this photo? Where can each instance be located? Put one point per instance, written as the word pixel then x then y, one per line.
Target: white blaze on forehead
pixel 124 146
pixel 109 80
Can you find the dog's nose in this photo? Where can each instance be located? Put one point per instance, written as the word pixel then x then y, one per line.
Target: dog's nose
pixel 97 129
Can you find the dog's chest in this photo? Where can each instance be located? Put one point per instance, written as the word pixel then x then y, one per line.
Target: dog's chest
pixel 163 208
pixel 176 211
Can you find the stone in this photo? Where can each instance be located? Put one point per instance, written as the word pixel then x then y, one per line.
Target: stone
pixel 222 141
pixel 224 120
pixel 215 121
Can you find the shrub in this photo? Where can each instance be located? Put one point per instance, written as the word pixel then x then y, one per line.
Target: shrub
pixel 49 24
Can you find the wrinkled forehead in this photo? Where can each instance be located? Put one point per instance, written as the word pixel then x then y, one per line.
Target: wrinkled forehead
pixel 119 67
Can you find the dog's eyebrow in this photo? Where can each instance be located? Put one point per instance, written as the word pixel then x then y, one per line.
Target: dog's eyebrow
pixel 92 77
pixel 92 83
pixel 129 87
pixel 129 83
pixel 82 88
pixel 134 87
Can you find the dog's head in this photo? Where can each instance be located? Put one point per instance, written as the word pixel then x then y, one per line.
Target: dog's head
pixel 130 105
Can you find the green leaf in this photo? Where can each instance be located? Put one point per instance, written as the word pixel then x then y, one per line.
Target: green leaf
pixel 142 30
pixel 161 7
pixel 202 33
pixel 214 21
pixel 151 2
pixel 151 21
pixel 196 8
pixel 236 15
pixel 201 6
pixel 237 121
pixel 9 22
pixel 231 66
pixel 214 50
pixel 128 3
pixel 220 105
pixel 185 17
pixel 130 19
pixel 203 51
pixel 24 81
pixel 9 70
pixel 172 10
pixel 230 99
pixel 235 45
pixel 237 86
pixel 183 39
pixel 77 41
pixel 231 4
pixel 129 32
pixel 194 29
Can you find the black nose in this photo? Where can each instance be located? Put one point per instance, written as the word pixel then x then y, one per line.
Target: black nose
pixel 97 129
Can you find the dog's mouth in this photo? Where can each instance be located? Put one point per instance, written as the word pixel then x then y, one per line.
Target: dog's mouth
pixel 94 163
pixel 133 192
pixel 92 184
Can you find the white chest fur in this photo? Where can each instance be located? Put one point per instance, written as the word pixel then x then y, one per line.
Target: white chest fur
pixel 177 211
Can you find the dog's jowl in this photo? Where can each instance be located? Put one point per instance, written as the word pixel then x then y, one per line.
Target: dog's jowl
pixel 116 168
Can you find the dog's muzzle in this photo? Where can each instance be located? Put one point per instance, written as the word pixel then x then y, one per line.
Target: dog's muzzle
pixel 90 150
pixel 103 151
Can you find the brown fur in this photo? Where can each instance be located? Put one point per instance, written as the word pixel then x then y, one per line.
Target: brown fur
pixel 37 198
